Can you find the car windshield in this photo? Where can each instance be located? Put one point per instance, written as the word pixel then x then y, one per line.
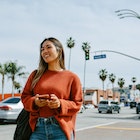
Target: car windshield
pixel 12 100
pixel 116 103
pixel 104 102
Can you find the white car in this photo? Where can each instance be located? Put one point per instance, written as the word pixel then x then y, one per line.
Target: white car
pixel 89 106
pixel 82 109
pixel 108 106
pixel 10 109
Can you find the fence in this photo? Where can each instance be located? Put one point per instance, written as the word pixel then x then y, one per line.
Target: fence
pixel 7 95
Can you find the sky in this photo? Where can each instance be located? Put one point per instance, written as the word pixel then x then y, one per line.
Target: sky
pixel 25 24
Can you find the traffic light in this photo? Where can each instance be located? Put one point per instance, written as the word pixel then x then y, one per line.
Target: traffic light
pixel 87 55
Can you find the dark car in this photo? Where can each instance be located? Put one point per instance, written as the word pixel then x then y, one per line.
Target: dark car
pixel 138 108
pixel 133 104
pixel 108 106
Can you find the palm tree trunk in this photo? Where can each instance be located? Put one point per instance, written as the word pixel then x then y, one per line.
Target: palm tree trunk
pixel 113 91
pixel 104 94
pixel 84 80
pixel 12 91
pixel 2 88
pixel 103 85
pixel 69 59
pixel 12 88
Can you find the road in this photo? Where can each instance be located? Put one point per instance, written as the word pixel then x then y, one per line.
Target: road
pixel 91 125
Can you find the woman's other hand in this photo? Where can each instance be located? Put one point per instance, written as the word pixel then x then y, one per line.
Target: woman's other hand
pixel 53 102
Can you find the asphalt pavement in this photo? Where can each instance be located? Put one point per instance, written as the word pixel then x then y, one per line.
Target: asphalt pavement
pixel 123 126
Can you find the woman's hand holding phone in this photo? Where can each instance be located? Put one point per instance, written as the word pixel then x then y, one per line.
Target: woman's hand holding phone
pixel 51 100
pixel 41 100
pixel 44 97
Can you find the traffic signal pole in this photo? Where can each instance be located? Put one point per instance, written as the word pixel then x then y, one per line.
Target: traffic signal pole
pixel 118 53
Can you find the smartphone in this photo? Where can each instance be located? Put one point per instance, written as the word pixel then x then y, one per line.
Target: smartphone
pixel 46 96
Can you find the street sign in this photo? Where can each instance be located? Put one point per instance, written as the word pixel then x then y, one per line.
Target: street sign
pixel 99 56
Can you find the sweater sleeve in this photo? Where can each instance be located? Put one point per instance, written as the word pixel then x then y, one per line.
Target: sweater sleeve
pixel 27 96
pixel 72 106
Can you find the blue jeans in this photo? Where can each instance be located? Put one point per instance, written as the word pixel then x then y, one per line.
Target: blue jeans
pixel 48 129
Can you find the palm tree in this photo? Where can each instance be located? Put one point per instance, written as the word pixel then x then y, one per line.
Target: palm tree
pixel 138 87
pixel 121 83
pixel 3 72
pixel 103 76
pixel 112 79
pixel 17 86
pixel 13 71
pixel 70 44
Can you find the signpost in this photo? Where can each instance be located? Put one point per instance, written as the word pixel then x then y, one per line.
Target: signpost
pixel 99 56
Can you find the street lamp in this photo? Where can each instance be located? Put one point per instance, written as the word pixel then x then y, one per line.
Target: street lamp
pixel 134 86
pixel 123 13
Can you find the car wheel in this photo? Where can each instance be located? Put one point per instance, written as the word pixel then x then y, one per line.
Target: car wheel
pixel 100 111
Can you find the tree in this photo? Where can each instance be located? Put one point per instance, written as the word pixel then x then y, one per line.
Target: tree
pixel 70 44
pixel 3 72
pixel 17 86
pixel 13 71
pixel 121 83
pixel 138 87
pixel 103 76
pixel 112 79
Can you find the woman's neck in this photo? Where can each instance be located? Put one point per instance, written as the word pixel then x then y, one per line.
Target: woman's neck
pixel 55 68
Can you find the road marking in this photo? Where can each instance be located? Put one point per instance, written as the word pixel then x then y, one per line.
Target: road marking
pixel 81 129
pixel 119 128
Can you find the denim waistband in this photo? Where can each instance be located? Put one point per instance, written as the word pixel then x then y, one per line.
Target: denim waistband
pixel 50 120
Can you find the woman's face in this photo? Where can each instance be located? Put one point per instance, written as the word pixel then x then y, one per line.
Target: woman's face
pixel 49 52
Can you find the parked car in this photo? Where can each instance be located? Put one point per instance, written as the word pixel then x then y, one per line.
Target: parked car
pixel 10 109
pixel 108 106
pixel 133 104
pixel 138 108
pixel 82 109
pixel 89 106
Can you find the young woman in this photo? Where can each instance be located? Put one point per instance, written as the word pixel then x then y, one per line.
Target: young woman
pixel 52 95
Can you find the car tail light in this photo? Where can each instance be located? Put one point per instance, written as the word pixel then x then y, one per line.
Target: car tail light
pixel 5 108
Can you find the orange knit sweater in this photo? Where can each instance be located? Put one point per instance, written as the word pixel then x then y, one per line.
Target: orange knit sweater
pixel 67 87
